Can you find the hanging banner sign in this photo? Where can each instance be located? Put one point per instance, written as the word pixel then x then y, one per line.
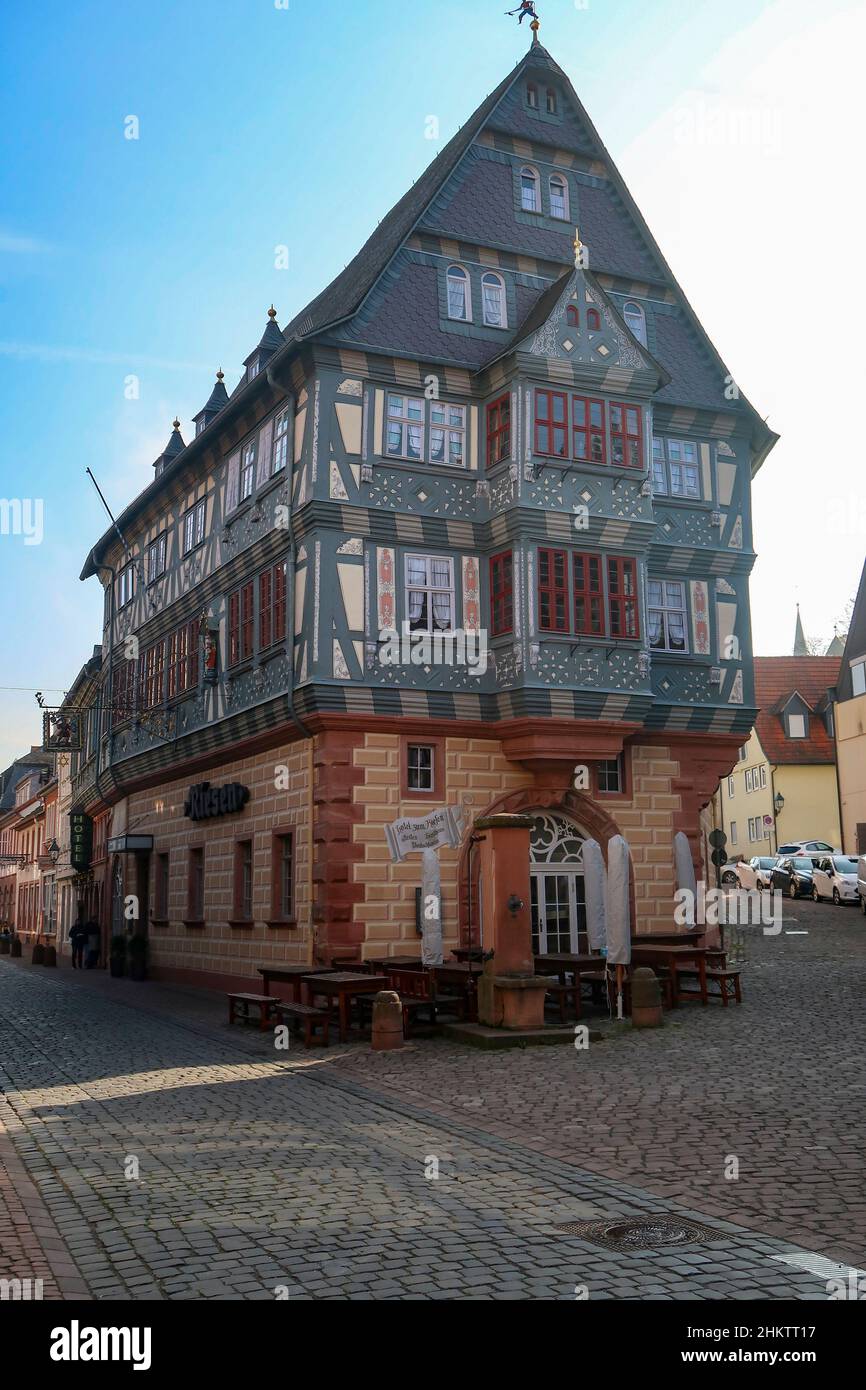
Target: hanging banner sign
pixel 407 836
pixel 80 840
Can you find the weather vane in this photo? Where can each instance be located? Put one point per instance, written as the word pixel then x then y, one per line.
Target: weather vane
pixel 526 9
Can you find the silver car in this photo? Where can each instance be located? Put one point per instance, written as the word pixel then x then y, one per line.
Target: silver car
pixel 755 873
pixel 835 877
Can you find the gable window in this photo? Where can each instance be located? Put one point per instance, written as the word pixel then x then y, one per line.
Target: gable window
pixel 588 596
pixel 281 442
pixel 532 96
pixel 796 726
pixel 183 659
pixel 459 306
pixel 125 586
pixel 156 558
pixel 858 677
pixel 429 593
pixel 193 526
pixel 253 369
pixel 593 320
pixel 448 434
pixel 530 189
pixel 588 433
pixel 622 597
pixel 635 320
pixel 550 98
pixel 625 436
pixel 572 316
pixel 666 615
pixel 551 434
pixel 501 594
pixel 558 197
pixel 493 300
pixel 272 606
pixel 552 590
pixel 248 470
pixel 499 430
pixel 405 427
pixel 420 763
pixel 241 624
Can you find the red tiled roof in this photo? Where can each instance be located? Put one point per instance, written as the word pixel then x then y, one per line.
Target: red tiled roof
pixel 778 677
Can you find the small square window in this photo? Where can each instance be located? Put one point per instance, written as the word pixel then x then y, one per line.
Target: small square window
pixel 419 767
pixel 610 775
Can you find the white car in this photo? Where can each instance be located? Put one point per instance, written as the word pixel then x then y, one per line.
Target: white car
pixel 796 847
pixel 755 873
pixel 835 877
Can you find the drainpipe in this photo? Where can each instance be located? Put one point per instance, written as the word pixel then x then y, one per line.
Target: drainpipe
pixel 773 771
pixel 290 558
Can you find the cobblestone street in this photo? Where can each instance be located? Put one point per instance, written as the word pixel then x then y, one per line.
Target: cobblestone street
pixel 151 1152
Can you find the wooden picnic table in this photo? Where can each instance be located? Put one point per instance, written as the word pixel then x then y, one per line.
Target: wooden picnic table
pixel 394 962
pixel 674 938
pixel 464 974
pixel 293 975
pixel 344 985
pixel 563 963
pixel 672 956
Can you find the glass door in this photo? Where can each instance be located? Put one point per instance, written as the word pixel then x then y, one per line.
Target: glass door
pixel 558 912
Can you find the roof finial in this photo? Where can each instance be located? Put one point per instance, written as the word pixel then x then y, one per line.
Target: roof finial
pixel 220 374
pixel 527 7
pixel 272 313
pixel 175 424
pixel 535 26
pixel 580 257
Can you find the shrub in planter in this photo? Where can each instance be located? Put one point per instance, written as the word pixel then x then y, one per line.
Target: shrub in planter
pixel 138 957
pixel 117 957
pixel 38 954
pixel 15 948
pixel 49 955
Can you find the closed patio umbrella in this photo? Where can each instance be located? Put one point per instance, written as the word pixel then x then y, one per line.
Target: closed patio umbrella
pixel 617 915
pixel 684 868
pixel 594 882
pixel 431 909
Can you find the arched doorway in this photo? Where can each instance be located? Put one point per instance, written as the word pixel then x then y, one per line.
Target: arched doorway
pixel 558 899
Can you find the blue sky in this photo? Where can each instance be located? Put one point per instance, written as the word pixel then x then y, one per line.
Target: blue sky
pixel 262 126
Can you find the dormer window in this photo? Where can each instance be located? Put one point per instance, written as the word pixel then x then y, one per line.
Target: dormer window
pixel 200 425
pixel 593 320
pixel 493 300
pixel 635 320
pixel 253 368
pixel 459 305
pixel 530 189
pixel 558 197
pixel 532 96
pixel 572 316
pixel 796 725
pixel 550 100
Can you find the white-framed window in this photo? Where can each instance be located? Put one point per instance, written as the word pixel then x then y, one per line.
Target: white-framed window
pixel 763 772
pixel 744 753
pixel 756 828
pixel 248 470
pixel 532 96
pixel 558 187
pixel 796 726
pixel 675 468
pixel 156 558
pixel 733 835
pixel 429 593
pixel 493 300
pixel 750 779
pixel 404 428
pixel 530 189
pixel 420 762
pixel 550 101
pixel 193 526
pixel 281 442
pixel 730 787
pixel 610 774
pixel 448 434
pixel 858 677
pixel 459 299
pixel 666 613
pixel 253 369
pixel 125 586
pixel 635 319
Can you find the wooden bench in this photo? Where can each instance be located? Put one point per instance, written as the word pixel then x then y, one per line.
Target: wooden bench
pixel 560 994
pixel 728 981
pixel 418 994
pixel 309 1016
pixel 240 1005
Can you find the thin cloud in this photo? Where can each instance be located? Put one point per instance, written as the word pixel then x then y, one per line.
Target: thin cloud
pixel 22 245
pixel 44 352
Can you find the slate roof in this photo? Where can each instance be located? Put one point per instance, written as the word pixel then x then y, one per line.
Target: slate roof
pixel 218 398
pixel 855 642
pixel 776 679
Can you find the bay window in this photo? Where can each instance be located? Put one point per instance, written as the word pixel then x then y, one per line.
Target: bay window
pixel 501 594
pixel 404 435
pixel 552 590
pixel 587 595
pixel 429 593
pixel 447 433
pixel 676 470
pixel 499 430
pixel 587 429
pixel 625 436
pixel 622 598
pixel 666 615
pixel 551 431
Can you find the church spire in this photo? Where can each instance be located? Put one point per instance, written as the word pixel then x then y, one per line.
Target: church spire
pixel 800 648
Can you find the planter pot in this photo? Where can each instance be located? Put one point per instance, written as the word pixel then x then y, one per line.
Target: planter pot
pixel 137 970
pixel 49 955
pixel 38 955
pixel 116 968
pixel 5 943
pixel 15 948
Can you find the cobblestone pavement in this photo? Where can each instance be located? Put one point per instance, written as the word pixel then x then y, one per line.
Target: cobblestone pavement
pixel 309 1175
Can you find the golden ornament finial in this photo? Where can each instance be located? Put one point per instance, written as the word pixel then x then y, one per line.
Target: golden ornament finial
pixel 272 313
pixel 535 26
pixel 176 424
pixel 578 249
pixel 220 374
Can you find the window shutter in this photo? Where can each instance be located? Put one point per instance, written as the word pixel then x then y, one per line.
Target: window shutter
pixel 233 482
pixel 265 440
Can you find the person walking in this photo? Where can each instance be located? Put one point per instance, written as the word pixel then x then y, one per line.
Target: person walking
pixel 93 944
pixel 78 938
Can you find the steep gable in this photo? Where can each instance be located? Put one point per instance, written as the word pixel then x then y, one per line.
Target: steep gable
pixel 803 680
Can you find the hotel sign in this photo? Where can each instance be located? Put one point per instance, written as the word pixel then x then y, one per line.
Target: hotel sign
pixel 204 801
pixel 80 841
pixel 407 836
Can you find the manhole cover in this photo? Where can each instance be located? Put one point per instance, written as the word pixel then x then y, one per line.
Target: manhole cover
pixel 646 1233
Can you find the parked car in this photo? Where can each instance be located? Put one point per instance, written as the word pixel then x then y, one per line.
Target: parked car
pixel 835 877
pixel 756 872
pixel 808 847
pixel 861 882
pixel 793 875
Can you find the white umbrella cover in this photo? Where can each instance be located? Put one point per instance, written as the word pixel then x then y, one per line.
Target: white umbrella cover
pixel 594 881
pixel 684 867
pixel 617 918
pixel 431 909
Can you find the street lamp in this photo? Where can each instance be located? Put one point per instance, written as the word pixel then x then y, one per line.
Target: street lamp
pixel 54 850
pixel 778 803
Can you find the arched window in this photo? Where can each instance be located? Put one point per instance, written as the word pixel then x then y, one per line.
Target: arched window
pixel 593 319
pixel 558 197
pixel 493 300
pixel 532 96
pixel 551 101
pixel 459 305
pixel 572 316
pixel 636 320
pixel 530 189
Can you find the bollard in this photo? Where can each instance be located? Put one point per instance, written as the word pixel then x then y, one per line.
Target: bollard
pixel 646 999
pixel 37 954
pixel 49 955
pixel 15 948
pixel 387 1021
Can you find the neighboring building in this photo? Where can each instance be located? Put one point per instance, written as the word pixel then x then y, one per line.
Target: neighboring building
pixel 26 789
pixel 470 431
pixel 790 753
pixel 850 715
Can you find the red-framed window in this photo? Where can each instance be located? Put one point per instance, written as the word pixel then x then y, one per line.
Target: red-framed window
pixel 150 675
pixel 241 624
pixel 183 659
pixel 625 436
pixel 572 316
pixel 123 695
pixel 272 606
pixel 587 429
pixel 551 423
pixel 588 595
pixel 501 594
pixel 593 319
pixel 622 597
pixel 498 430
pixel 552 590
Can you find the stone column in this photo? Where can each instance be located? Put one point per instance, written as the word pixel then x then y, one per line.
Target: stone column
pixel 509 993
